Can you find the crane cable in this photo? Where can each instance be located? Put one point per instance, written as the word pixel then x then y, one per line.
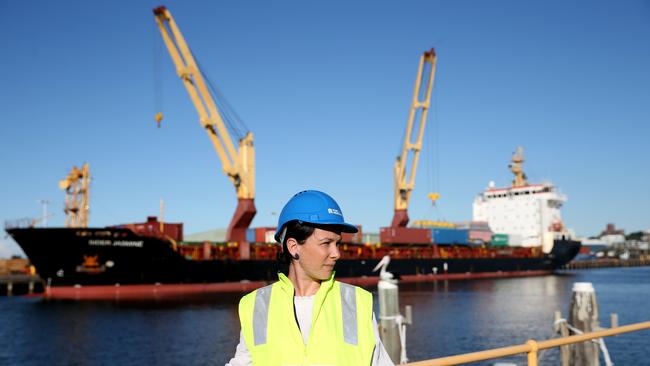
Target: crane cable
pixel 233 122
pixel 157 80
pixel 433 156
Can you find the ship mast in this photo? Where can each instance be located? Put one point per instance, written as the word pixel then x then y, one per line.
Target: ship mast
pixel 516 165
pixel 77 196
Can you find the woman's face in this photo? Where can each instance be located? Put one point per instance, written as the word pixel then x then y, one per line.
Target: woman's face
pixel 319 253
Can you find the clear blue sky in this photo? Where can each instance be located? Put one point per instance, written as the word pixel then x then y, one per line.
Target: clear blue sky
pixel 325 87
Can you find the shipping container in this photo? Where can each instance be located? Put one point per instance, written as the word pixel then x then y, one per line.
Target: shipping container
pixel 404 235
pixel 262 235
pixel 500 240
pixel 250 235
pixel 479 225
pixel 432 224
pixel 450 236
pixel 269 235
pixel 480 236
pixel 152 228
pixel 515 240
pixel 353 238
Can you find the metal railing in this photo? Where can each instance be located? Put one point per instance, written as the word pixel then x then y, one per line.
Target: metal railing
pixel 531 347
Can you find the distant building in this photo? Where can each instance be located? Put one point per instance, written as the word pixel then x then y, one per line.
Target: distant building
pixel 612 236
pixel 612 230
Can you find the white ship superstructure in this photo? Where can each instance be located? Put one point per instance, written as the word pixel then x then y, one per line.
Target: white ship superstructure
pixel 529 213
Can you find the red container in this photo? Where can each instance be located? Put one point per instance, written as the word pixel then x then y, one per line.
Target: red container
pixel 353 238
pixel 259 234
pixel 404 235
pixel 264 234
pixel 152 228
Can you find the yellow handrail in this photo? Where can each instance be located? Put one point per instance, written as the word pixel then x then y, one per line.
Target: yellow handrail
pixel 531 347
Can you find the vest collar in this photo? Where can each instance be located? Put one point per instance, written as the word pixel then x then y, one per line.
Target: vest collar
pixel 287 285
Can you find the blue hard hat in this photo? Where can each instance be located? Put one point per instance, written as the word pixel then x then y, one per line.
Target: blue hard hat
pixel 313 207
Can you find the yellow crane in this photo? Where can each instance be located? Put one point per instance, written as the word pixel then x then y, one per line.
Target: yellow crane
pixel 77 196
pixel 237 163
pixel 403 184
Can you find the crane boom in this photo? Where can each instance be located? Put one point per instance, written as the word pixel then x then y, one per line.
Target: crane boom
pixel 237 164
pixel 403 183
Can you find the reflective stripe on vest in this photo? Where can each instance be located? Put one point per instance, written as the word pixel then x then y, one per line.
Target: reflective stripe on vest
pixel 261 314
pixel 348 310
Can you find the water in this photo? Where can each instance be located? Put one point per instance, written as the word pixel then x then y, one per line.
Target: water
pixel 450 318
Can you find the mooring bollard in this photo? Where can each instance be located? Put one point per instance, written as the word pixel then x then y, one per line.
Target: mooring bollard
pixel 583 315
pixel 392 324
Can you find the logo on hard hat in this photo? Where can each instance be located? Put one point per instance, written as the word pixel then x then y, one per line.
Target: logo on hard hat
pixel 334 211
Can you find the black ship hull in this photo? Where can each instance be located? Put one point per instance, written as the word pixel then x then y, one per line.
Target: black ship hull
pixel 118 257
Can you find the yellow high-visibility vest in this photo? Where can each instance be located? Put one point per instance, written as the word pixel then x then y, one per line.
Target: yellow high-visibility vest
pixel 341 326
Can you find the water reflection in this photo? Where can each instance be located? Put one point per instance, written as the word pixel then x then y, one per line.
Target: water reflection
pixel 450 317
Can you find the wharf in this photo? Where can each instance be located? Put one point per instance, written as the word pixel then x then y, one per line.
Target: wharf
pixel 605 263
pixel 19 284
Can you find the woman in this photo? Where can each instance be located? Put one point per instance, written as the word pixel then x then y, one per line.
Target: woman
pixel 307 318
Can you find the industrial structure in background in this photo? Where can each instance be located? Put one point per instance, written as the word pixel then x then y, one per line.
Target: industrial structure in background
pixel 406 163
pixel 237 163
pixel 154 259
pixel 77 196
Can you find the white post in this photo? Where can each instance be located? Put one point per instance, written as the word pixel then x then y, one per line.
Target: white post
pixel 392 325
pixel 388 313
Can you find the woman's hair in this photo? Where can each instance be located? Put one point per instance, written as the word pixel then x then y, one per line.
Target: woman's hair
pixel 298 230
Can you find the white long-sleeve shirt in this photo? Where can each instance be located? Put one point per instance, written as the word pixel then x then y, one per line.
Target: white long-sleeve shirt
pixel 303 306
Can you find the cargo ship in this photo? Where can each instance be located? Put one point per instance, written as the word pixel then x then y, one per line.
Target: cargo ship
pixel 119 262
pixel 515 231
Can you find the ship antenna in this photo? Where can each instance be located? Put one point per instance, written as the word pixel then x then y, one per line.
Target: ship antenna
pixel 516 168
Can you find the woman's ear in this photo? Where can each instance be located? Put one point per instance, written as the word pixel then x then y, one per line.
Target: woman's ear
pixel 292 246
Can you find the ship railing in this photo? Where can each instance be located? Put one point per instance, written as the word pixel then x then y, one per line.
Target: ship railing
pixel 531 347
pixel 22 223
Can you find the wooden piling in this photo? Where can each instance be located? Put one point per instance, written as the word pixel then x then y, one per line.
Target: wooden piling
pixel 613 320
pixel 583 315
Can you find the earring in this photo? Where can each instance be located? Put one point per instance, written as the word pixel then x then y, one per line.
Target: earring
pixel 296 256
